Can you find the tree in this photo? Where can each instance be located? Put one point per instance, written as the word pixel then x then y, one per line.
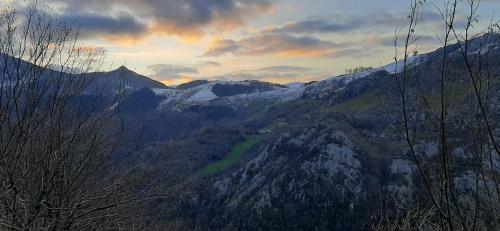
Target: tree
pixel 454 209
pixel 355 70
pixel 55 152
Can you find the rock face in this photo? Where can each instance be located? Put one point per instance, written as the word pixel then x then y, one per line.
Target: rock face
pixel 295 179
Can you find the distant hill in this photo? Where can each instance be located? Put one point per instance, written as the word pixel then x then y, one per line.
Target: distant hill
pixel 191 84
pixel 121 78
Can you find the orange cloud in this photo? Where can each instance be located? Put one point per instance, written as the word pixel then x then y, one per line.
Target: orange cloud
pixel 138 20
pixel 308 53
pixel 177 81
pixel 274 44
pixel 123 40
pixel 275 74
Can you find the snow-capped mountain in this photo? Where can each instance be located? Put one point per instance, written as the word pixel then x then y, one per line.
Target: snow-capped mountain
pixel 203 92
pixel 258 155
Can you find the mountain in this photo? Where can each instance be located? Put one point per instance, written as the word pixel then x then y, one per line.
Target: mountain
pixel 121 78
pixel 328 155
pixel 325 155
pixel 97 82
pixel 191 84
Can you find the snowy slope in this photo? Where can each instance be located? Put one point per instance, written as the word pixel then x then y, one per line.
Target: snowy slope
pixel 397 67
pixel 282 94
pixel 204 94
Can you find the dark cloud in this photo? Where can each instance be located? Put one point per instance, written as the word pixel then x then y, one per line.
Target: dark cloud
pixel 163 72
pixel 349 23
pixel 286 40
pixel 274 44
pixel 171 17
pixel 96 25
pixel 221 47
pixel 313 26
pixel 389 41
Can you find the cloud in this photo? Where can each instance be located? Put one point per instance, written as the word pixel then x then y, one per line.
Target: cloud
pixel 349 23
pixel 221 47
pixel 274 44
pixel 166 72
pixel 388 41
pixel 276 74
pixel 211 63
pixel 284 69
pixel 174 75
pixel 312 26
pixel 186 18
pixel 287 40
pixel 107 27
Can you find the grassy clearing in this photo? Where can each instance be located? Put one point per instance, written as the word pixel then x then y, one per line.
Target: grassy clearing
pixel 361 103
pixel 231 158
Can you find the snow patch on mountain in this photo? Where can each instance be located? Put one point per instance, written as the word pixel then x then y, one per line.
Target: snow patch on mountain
pixel 295 85
pixel 397 67
pixel 203 93
pixel 281 94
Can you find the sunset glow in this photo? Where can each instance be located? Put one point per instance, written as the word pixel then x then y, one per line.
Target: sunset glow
pixel 230 39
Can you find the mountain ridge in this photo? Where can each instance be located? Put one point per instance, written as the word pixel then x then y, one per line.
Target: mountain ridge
pixel 250 155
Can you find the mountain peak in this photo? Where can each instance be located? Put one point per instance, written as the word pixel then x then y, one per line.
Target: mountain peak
pixel 123 68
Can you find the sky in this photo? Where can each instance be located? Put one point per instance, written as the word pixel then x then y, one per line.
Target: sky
pixel 177 41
